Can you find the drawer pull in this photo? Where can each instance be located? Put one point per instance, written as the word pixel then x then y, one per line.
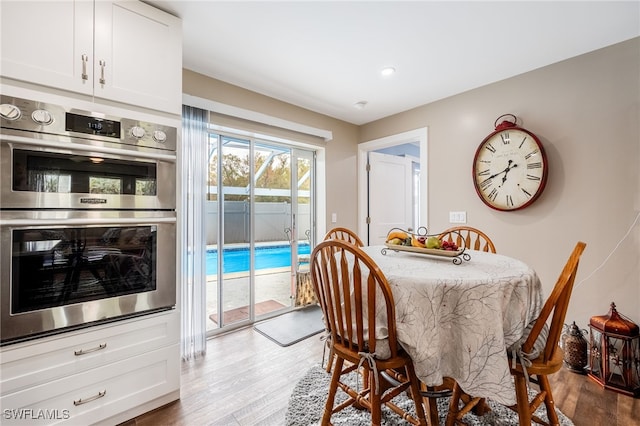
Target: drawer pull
pixel 86 351
pixel 92 398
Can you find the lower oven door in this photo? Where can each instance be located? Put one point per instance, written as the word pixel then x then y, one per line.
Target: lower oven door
pixel 62 270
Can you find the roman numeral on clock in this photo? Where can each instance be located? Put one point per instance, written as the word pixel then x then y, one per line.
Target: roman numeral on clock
pixel 509 200
pixel 522 143
pixel 490 148
pixel 505 138
pixel 485 184
pixel 532 153
pixel 526 192
pixel 493 194
pixel 534 165
pixel 532 177
pixel 484 172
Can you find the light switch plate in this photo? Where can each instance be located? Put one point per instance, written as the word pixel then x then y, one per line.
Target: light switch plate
pixel 334 217
pixel 457 217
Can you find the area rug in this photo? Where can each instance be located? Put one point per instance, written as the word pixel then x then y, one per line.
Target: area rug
pixel 307 400
pixel 293 326
pixel 242 313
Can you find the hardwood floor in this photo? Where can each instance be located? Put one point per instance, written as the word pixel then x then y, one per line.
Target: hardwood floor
pixel 246 379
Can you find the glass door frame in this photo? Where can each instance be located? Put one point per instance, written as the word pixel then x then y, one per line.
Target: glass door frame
pixel 295 151
pixel 301 261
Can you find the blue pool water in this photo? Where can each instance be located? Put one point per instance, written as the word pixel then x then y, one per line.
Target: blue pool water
pixel 237 260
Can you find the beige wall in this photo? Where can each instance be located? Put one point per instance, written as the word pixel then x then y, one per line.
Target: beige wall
pixel 586 112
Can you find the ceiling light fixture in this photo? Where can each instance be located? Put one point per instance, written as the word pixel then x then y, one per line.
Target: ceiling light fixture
pixel 360 105
pixel 387 71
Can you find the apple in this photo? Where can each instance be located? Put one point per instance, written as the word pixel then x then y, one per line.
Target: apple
pixel 433 243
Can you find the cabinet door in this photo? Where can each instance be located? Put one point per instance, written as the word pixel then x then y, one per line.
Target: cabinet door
pixel 44 42
pixel 138 55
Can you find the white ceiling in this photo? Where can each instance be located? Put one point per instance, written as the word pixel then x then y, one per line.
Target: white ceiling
pixel 326 56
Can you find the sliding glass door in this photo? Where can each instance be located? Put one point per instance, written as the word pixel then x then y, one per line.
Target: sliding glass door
pixel 255 230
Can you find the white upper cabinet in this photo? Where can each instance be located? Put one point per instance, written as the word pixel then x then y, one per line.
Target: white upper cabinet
pixel 45 43
pixel 124 51
pixel 138 57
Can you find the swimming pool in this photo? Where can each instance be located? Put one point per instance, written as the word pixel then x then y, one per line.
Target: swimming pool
pixel 237 259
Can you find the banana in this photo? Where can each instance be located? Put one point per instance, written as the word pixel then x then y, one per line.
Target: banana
pixel 397 234
pixel 416 243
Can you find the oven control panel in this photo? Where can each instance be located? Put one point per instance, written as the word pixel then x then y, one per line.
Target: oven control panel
pixel 40 117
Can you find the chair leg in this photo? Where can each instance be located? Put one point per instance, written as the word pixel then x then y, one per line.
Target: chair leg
pixel 333 388
pixel 431 404
pixel 522 398
pixel 454 405
pixel 374 395
pixel 543 382
pixel 417 398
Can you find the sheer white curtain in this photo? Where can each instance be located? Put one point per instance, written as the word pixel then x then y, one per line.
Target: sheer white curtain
pixel 193 243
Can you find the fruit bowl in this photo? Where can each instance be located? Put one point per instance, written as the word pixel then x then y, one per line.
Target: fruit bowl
pixel 433 252
pixel 423 243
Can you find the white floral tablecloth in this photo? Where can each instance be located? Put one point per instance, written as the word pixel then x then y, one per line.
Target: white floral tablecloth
pixel 458 320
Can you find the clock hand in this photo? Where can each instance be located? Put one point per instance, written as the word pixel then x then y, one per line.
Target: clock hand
pixel 505 171
pixel 499 173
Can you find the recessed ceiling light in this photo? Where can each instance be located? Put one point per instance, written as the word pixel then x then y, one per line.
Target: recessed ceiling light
pixel 360 105
pixel 388 71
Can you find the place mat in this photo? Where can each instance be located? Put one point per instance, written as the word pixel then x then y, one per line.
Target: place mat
pixel 242 313
pixel 306 406
pixel 293 326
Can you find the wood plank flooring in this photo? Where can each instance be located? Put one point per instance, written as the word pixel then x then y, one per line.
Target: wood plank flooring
pixel 245 379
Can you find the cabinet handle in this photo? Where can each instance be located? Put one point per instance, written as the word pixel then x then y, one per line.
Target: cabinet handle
pixel 102 65
pixel 86 351
pixel 85 58
pixel 91 398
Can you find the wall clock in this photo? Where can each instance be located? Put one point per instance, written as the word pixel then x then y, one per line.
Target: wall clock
pixel 510 167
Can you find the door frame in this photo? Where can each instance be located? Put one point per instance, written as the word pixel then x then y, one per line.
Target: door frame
pixel 419 135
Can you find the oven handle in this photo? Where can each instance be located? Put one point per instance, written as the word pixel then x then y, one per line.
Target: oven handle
pixel 89 148
pixel 87 221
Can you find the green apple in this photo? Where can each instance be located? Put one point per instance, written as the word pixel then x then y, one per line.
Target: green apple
pixel 433 243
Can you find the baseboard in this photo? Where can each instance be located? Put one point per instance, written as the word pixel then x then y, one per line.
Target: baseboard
pixel 141 409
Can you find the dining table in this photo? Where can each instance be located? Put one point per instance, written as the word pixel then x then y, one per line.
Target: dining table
pixel 457 319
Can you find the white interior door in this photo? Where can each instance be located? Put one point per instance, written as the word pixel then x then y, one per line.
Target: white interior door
pixel 390 195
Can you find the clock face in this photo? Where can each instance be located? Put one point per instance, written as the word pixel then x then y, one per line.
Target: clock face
pixel 510 169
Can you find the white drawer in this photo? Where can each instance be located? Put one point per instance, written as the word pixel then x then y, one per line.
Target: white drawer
pixel 98 394
pixel 43 360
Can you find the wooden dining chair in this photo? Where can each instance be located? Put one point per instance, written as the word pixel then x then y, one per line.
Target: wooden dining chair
pixel 469 237
pixel 344 234
pixel 357 304
pixel 549 354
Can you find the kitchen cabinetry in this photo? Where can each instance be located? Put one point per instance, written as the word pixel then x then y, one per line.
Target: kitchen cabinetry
pixel 124 51
pixel 106 373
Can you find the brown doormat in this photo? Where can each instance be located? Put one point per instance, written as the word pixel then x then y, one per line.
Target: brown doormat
pixel 242 313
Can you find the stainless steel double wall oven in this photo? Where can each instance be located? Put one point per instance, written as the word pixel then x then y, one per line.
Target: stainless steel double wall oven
pixel 87 218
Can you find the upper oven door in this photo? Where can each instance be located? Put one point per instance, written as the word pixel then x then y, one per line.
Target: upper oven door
pixel 60 172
